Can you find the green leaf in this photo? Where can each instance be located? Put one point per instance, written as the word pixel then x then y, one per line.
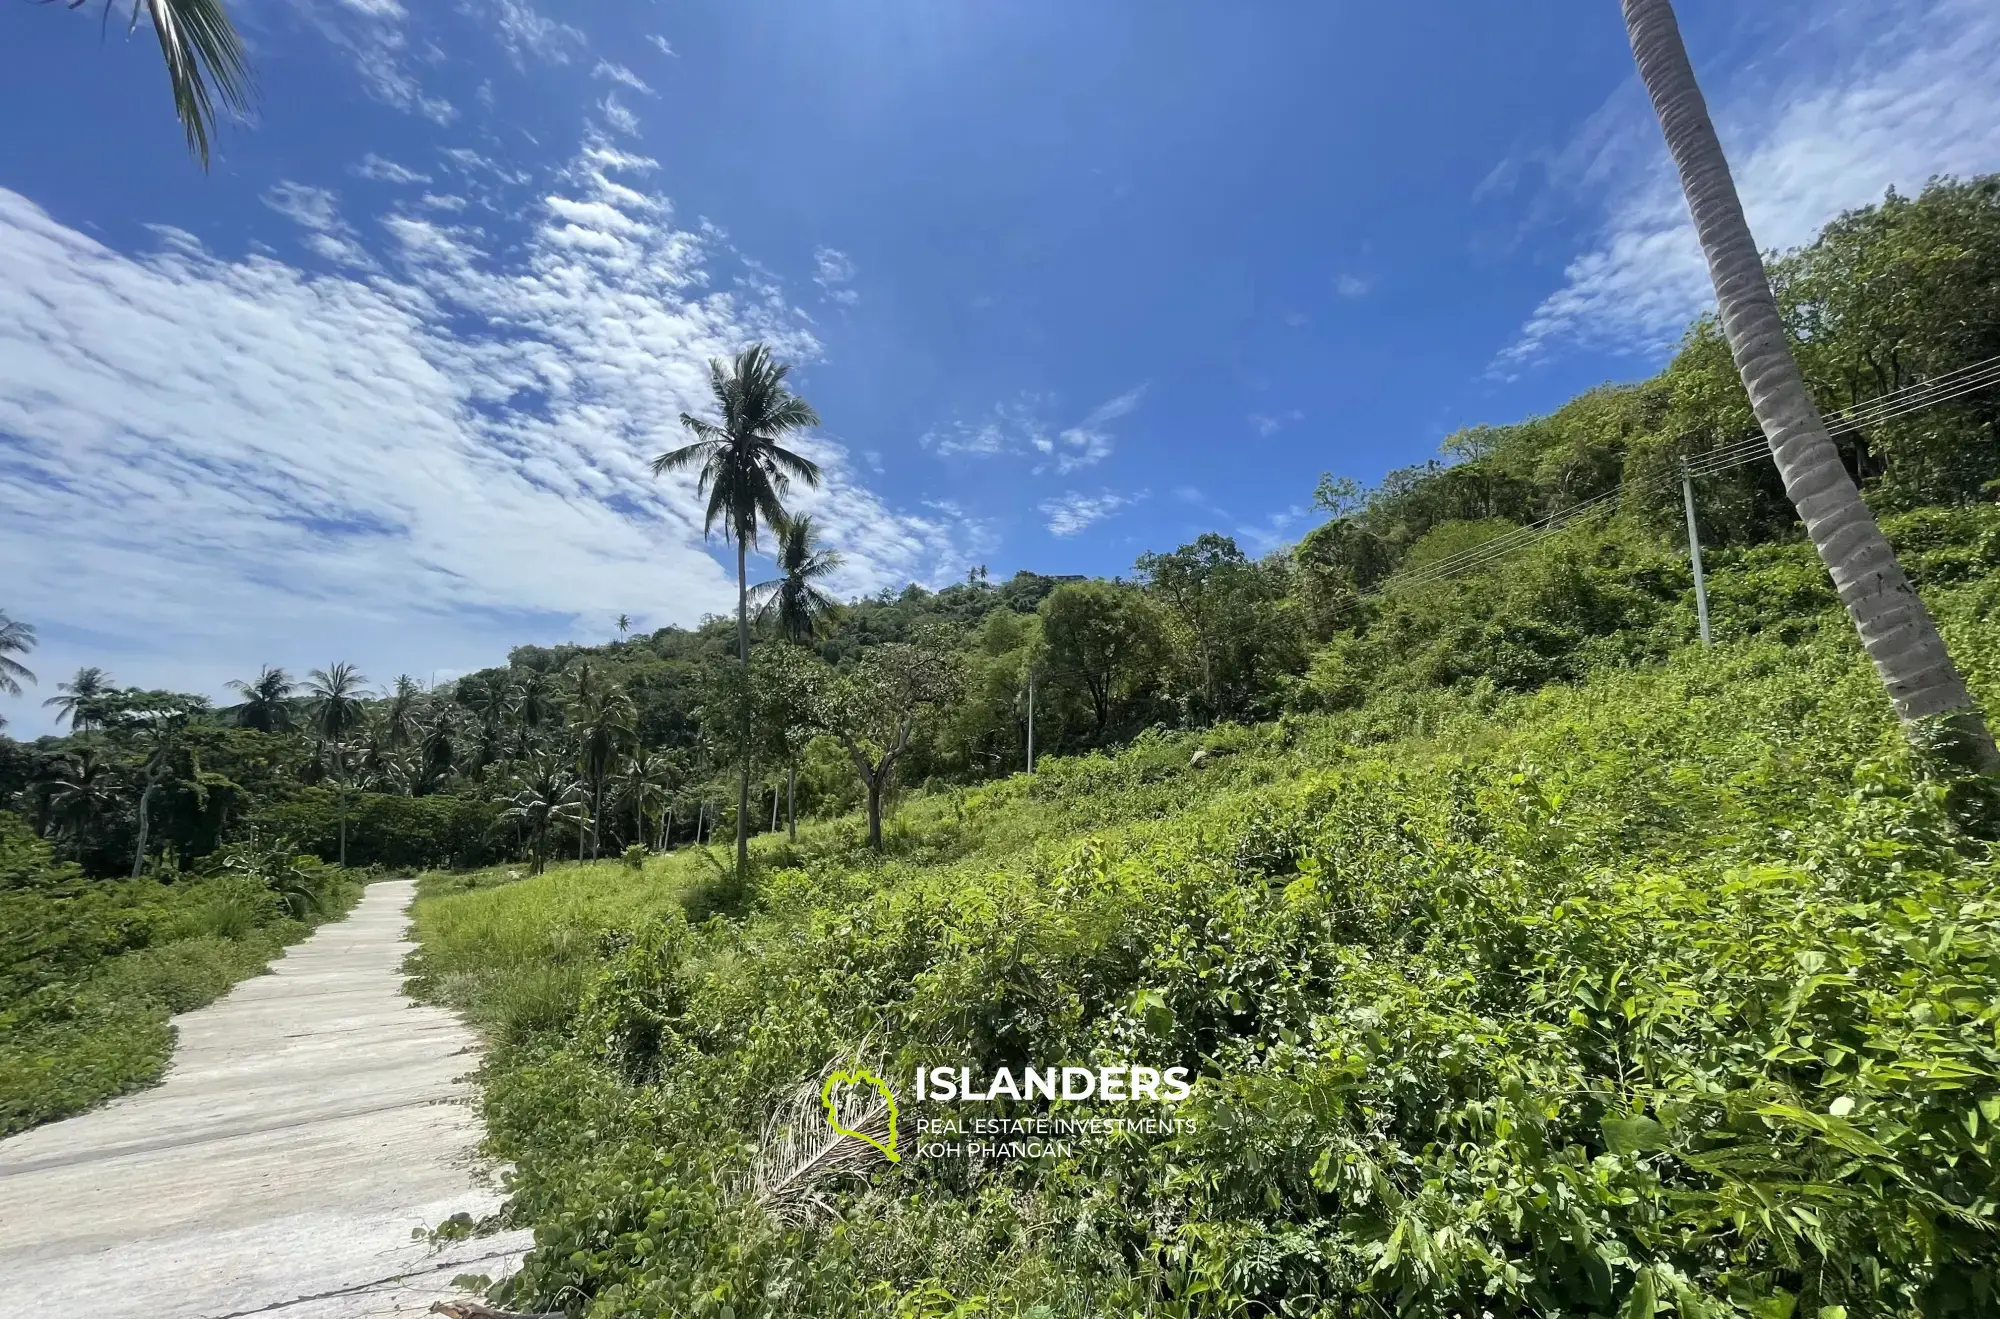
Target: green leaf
pixel 1634 1135
pixel 1643 1300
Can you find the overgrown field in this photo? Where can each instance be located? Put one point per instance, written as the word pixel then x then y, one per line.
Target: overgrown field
pixel 90 970
pixel 1672 990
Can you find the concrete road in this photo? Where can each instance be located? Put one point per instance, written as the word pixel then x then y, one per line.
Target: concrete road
pixel 309 1121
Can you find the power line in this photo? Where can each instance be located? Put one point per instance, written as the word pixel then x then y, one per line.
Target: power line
pixel 1885 407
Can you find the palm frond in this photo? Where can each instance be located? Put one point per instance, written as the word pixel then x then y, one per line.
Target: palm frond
pixel 801 1156
pixel 204 58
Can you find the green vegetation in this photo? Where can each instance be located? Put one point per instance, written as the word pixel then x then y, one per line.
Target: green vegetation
pixel 1676 986
pixel 90 970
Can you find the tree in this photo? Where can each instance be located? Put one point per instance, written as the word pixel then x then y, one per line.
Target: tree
pixel 1198 582
pixel 873 710
pixel 1100 639
pixel 333 702
pixel 16 638
pixel 83 787
pixel 156 721
pixel 793 601
pixel 266 703
pixel 602 720
pixel 546 794
pixel 745 471
pixel 1895 628
pixel 785 687
pixel 80 694
pixel 643 779
pixel 624 625
pixel 403 712
pixel 204 59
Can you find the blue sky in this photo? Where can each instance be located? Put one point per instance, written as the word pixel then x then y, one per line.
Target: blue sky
pixel 1067 283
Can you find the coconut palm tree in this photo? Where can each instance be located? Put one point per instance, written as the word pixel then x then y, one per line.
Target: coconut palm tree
pixel 333 703
pixel 545 794
pixel 78 697
pixel 204 60
pixel 745 472
pixel 82 788
pixel 266 704
pixel 793 600
pixel 400 717
pixel 643 779
pixel 1896 629
pixel 16 638
pixel 602 718
pixel 624 625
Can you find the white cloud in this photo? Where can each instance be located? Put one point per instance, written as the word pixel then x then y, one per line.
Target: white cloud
pixel 1021 428
pixel 1014 427
pixel 660 44
pixel 1072 512
pixel 1267 425
pixel 618 116
pixel 1089 442
pixel 618 73
pixel 834 270
pixel 524 31
pixel 314 210
pixel 375 167
pixel 1351 287
pixel 212 463
pixel 371 32
pixel 1272 533
pixel 1892 94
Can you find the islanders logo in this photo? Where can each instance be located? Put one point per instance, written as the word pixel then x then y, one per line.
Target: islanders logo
pixel 872 1119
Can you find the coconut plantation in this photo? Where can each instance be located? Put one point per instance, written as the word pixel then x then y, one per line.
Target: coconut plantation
pixel 512 804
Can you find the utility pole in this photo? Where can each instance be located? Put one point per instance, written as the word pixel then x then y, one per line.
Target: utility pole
pixel 1694 554
pixel 1031 721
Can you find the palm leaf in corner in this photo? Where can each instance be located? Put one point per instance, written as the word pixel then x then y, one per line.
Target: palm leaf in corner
pixel 801 1153
pixel 204 58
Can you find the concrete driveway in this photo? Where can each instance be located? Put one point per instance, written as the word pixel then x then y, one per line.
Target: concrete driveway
pixel 310 1120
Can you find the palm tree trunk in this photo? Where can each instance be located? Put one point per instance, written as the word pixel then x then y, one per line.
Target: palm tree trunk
pixel 1896 629
pixel 596 814
pixel 139 853
pixel 743 653
pixel 792 802
pixel 343 826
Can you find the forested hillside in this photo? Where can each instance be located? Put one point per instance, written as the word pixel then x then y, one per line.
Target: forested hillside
pixel 1532 958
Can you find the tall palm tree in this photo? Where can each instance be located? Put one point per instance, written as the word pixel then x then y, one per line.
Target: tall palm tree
pixel 745 472
pixel 1895 628
pixel 400 717
pixel 79 694
pixel 266 703
pixel 643 779
pixel 333 703
pixel 603 720
pixel 16 638
pixel 204 60
pixel 793 600
pixel 624 625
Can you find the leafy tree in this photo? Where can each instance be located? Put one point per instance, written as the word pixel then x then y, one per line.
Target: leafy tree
pixel 152 725
pixel 745 471
pixel 1895 627
pixel 266 704
pixel 1102 640
pixel 78 698
pixel 874 708
pixel 793 601
pixel 1205 585
pixel 333 703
